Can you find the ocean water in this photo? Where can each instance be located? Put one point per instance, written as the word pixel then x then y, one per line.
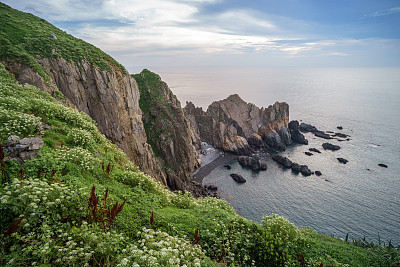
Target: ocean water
pixel 359 198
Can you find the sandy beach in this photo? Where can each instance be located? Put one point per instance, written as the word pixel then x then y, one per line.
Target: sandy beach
pixel 206 169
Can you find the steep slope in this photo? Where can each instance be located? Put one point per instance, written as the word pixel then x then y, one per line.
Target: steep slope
pixel 167 129
pixel 88 78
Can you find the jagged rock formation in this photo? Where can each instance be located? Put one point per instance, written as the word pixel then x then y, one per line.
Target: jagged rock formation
pixel 110 97
pixel 216 133
pixel 231 124
pixel 167 128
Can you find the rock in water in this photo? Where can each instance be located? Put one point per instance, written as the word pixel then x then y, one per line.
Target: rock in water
pixel 256 141
pixel 263 166
pixel 305 170
pixel 238 178
pixel 284 161
pixel 318 173
pixel 314 150
pixel 296 167
pixel 308 153
pixel 304 127
pixel 228 166
pixel 382 165
pixel 329 146
pixel 296 135
pixel 322 135
pixel 342 160
pixel 340 128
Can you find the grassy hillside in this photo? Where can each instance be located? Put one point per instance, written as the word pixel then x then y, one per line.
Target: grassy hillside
pixel 82 202
pixel 24 37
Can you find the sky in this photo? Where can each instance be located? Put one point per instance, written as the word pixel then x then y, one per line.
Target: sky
pixel 256 33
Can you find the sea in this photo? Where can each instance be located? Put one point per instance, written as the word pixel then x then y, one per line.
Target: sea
pixel 359 198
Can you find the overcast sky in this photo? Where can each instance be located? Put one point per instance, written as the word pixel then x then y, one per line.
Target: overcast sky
pixel 312 33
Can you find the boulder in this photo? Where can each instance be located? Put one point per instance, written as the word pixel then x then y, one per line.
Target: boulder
pixel 322 135
pixel 305 170
pixel 318 173
pixel 24 149
pixel 238 178
pixel 295 167
pixel 243 160
pixel 295 133
pixel 228 166
pixel 308 153
pixel 340 128
pixel 263 166
pixel 382 165
pixel 255 163
pixel 329 146
pixel 342 160
pixel 284 161
pixel 255 141
pixel 314 150
pixel 274 140
pixel 304 127
pixel 341 135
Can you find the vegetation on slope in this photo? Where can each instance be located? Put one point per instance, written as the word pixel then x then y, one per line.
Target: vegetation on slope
pixel 25 37
pixel 50 196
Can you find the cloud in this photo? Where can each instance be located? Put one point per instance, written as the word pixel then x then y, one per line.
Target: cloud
pixel 384 12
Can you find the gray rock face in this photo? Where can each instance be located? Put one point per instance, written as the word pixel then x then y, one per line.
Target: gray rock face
pixel 229 123
pixel 218 134
pixel 167 128
pixel 24 149
pixel 295 133
pixel 109 97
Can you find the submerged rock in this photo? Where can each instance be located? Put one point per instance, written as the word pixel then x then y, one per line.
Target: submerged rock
pixel 341 135
pixel 238 178
pixel 329 146
pixel 314 150
pixel 322 135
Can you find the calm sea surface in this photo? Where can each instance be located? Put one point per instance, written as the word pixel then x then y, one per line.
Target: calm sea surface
pixel 346 198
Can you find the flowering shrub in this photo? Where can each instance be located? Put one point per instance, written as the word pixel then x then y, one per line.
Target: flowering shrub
pixel 156 248
pixel 80 137
pixel 17 123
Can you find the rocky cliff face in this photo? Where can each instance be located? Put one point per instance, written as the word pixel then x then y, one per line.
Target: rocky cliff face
pixel 109 97
pixel 168 130
pixel 231 124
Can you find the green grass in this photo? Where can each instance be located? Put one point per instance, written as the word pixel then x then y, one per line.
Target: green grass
pixel 25 37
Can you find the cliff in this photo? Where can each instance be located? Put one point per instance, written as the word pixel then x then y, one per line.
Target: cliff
pixel 80 75
pixel 232 124
pixel 167 129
